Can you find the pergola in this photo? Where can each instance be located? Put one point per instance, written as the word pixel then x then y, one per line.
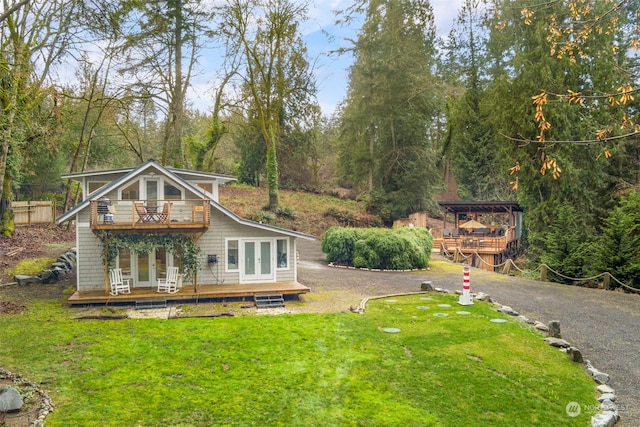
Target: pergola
pixel 468 210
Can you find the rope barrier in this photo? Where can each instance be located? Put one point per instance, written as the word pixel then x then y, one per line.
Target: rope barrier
pixel 458 256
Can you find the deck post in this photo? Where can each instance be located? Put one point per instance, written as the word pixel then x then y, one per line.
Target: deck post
pixel 106 269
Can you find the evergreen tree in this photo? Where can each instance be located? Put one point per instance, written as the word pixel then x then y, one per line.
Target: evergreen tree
pixel 618 251
pixel 392 101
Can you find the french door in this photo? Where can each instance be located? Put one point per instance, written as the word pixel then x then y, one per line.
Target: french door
pixel 258 260
pixel 145 269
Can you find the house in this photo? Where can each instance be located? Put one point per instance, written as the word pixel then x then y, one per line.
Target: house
pixel 147 219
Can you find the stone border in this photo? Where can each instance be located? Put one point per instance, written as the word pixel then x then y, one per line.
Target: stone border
pixel 59 270
pixel 350 267
pixel 46 404
pixel 608 415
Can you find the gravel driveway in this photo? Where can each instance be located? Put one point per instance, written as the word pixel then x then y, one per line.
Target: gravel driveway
pixel 604 325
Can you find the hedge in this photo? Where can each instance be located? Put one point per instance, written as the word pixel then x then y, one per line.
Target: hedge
pixel 401 248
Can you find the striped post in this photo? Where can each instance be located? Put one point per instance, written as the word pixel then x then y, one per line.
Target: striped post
pixel 466 298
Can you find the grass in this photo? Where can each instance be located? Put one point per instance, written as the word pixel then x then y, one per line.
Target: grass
pixel 297 370
pixel 31 267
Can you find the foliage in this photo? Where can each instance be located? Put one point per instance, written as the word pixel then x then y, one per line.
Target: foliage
pixel 276 79
pixel 179 245
pixel 590 31
pixel 618 249
pixel 379 248
pixel 324 369
pixel 568 245
pixel 32 266
pixel 35 36
pixel 470 150
pixel 392 99
pixel 339 244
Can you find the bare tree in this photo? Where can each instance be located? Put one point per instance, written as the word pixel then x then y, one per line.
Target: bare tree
pixel 33 36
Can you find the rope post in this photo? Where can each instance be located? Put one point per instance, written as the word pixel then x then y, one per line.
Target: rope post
pixel 507 266
pixel 607 281
pixel 543 273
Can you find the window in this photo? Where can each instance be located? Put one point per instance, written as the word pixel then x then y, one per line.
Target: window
pixel 206 186
pixel 131 192
pixel 283 253
pixel 124 261
pixel 171 192
pixel 95 185
pixel 232 255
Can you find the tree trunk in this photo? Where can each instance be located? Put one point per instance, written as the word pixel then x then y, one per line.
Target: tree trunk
pixel 272 174
pixel 178 97
pixel 6 217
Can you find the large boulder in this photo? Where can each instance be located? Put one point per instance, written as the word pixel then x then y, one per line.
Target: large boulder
pixel 10 399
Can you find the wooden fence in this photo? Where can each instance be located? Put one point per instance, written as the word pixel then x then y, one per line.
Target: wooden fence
pixel 34 212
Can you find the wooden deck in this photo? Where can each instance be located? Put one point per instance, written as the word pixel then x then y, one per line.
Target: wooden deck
pixel 487 253
pixel 188 294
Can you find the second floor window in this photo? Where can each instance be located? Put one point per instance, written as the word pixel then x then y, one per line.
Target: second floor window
pixel 131 192
pixel 171 192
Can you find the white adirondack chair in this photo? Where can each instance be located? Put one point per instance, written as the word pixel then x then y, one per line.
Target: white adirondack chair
pixel 170 284
pixel 118 284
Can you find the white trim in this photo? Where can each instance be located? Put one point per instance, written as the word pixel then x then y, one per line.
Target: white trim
pixel 257 277
pixel 287 252
pixel 226 255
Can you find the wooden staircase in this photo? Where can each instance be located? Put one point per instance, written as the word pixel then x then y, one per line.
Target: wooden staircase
pixel 269 301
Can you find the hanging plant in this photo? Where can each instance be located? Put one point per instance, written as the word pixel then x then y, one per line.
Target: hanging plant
pixel 178 245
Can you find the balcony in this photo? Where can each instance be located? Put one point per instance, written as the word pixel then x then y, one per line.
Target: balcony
pixel 156 215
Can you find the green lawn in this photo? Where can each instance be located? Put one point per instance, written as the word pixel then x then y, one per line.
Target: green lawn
pixel 297 370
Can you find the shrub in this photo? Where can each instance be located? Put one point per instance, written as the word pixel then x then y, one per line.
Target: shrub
pixel 378 248
pixel 339 243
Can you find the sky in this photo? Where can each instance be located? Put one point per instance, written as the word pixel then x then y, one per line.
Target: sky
pixel 322 36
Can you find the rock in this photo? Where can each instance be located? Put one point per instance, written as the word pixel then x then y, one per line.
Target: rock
pixel 426 286
pixel 604 419
pixel 599 377
pixel 554 329
pixel 61 265
pixel 47 276
pixel 607 396
pixel 557 342
pixel 10 399
pixel 541 326
pixel 575 355
pixel 525 319
pixel 508 310
pixel 71 256
pixel 603 388
pixel 608 405
pixel 59 273
pixel 27 280
pixel 64 258
pixel 481 296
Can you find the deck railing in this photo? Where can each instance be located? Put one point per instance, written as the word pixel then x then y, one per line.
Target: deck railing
pixel 146 214
pixel 470 241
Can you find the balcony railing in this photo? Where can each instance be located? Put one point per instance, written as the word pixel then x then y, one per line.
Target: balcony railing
pixel 149 214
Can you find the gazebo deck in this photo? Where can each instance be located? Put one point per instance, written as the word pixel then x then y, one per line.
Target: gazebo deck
pixel 188 293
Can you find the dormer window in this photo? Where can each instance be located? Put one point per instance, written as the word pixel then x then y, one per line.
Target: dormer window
pixel 171 192
pixel 95 185
pixel 131 192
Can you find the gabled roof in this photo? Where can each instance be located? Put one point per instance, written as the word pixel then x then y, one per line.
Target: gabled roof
pixel 130 174
pixel 187 174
